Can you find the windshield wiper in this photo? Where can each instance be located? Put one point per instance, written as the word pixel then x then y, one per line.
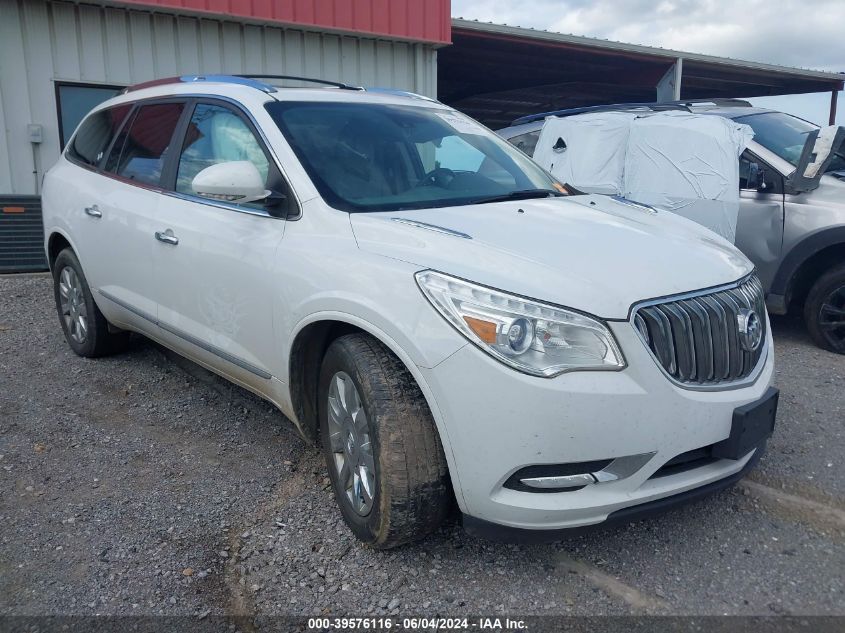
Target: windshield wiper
pixel 523 194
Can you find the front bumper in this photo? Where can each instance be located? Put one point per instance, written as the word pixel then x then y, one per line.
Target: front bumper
pixel 498 421
pixel 504 534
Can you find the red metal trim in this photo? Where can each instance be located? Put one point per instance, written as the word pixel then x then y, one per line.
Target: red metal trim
pixel 418 20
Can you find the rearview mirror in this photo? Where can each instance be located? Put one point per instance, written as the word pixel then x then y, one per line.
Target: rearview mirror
pixel 236 181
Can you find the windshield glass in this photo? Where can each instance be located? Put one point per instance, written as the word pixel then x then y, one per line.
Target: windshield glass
pixel 378 157
pixel 785 135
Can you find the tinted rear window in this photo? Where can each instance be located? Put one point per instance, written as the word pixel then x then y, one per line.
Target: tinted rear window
pixel 140 150
pixel 94 134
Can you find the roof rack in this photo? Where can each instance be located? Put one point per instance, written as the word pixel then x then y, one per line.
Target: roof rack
pixel 232 79
pixel 324 82
pixel 684 104
pixel 253 81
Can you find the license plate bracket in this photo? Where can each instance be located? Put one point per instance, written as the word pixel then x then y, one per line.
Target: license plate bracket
pixel 752 424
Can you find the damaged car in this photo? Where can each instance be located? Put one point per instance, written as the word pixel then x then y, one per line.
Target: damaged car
pixel 791 206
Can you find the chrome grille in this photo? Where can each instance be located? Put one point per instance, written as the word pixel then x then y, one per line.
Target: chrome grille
pixel 696 337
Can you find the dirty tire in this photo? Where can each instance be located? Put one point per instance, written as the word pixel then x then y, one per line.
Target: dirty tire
pixel 412 489
pixel 826 302
pixel 99 341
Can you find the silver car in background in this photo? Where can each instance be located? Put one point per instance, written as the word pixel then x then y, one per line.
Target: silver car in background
pixel 792 229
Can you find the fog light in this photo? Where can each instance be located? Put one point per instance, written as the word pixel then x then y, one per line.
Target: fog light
pixel 575 476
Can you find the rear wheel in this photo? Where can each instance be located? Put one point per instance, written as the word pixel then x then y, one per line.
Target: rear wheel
pixel 824 310
pixel 86 329
pixel 382 450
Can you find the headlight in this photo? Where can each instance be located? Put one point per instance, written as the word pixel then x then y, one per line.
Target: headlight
pixel 532 337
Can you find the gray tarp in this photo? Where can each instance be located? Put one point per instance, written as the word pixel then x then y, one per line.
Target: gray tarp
pixel 678 161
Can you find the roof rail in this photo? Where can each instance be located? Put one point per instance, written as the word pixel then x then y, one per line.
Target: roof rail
pixel 684 104
pixel 232 79
pixel 252 81
pixel 324 82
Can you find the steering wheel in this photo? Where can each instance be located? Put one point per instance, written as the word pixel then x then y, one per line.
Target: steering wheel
pixel 440 177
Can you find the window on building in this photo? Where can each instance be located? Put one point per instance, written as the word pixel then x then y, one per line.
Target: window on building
pixel 217 135
pixel 140 150
pixel 96 132
pixel 74 101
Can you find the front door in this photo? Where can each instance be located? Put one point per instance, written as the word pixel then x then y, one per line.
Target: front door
pixel 759 230
pixel 215 261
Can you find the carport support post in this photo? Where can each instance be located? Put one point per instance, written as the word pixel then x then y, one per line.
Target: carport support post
pixel 669 87
pixel 834 95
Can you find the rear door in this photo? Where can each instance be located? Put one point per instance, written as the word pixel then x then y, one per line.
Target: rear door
pixel 79 187
pixel 215 274
pixel 759 231
pixel 127 207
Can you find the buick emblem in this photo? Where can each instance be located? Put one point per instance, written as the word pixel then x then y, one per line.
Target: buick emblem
pixel 750 330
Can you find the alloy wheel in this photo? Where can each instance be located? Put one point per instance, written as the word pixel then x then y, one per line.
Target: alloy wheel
pixel 74 309
pixel 352 450
pixel 831 318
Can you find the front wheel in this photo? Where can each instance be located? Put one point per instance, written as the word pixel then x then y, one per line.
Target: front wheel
pixel 382 450
pixel 824 310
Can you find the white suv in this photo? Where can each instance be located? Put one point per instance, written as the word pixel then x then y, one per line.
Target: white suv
pixel 420 297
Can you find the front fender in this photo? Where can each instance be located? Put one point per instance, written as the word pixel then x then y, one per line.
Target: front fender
pixel 417 331
pixel 407 351
pixel 800 253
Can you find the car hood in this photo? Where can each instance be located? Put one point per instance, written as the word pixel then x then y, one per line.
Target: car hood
pixel 592 253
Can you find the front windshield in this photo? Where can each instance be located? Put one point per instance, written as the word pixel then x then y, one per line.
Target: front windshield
pixel 378 157
pixel 785 135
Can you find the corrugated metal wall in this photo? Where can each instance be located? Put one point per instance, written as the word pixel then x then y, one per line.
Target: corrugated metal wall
pixel 42 42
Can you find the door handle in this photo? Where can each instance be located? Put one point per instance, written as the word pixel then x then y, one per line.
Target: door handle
pixel 167 237
pixel 93 211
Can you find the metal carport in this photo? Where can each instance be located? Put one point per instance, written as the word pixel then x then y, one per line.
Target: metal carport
pixel 496 73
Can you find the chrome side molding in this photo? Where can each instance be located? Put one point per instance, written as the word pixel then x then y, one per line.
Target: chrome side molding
pixel 432 227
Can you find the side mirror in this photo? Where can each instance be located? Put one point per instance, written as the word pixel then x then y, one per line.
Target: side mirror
pixel 755 177
pixel 236 181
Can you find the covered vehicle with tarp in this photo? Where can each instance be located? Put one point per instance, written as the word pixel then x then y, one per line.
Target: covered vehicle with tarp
pixel 789 182
pixel 646 158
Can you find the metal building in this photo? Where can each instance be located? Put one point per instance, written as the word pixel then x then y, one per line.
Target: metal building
pixel 497 73
pixel 68 56
pixel 58 59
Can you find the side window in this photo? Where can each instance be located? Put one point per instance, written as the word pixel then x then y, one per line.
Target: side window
pixel 526 142
pixel 94 135
pixel 217 135
pixel 140 150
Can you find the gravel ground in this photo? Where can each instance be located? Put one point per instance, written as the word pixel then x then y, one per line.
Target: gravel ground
pixel 142 484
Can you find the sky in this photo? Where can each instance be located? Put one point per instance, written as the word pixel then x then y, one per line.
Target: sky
pixel 806 34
